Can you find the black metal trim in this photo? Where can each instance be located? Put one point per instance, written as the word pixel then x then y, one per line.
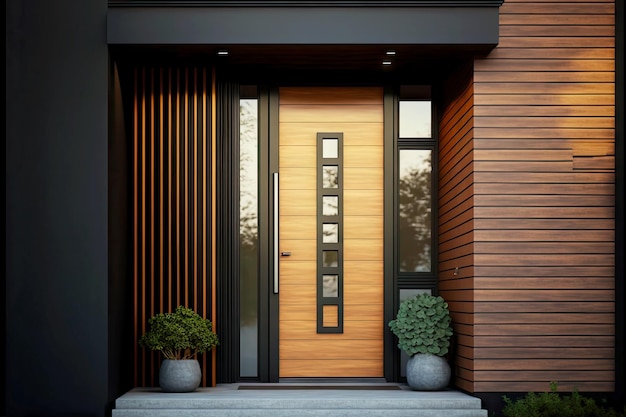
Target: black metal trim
pixel 306 3
pixel 265 324
pixel 227 179
pixel 321 245
pixel 273 334
pixel 391 352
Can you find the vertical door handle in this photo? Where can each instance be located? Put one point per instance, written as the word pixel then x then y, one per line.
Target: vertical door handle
pixel 276 253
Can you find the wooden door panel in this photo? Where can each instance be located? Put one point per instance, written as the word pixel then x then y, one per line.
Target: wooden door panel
pixel 357 113
pixel 363 179
pixel 301 250
pixel 313 113
pixel 298 227
pixel 340 349
pixel 299 178
pixel 330 95
pixel 364 156
pixel 363 227
pixel 334 368
pixel 297 202
pixel 352 312
pixel 362 203
pixel 353 330
pixel 363 249
pixel 355 133
pixel 297 156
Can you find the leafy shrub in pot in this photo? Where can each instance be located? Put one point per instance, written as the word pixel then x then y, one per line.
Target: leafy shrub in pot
pixel 423 327
pixel 179 336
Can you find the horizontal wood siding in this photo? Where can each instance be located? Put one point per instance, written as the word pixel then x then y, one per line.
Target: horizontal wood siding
pixel 543 214
pixel 456 217
pixel 171 202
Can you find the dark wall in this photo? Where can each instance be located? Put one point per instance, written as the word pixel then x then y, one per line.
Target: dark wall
pixel 56 208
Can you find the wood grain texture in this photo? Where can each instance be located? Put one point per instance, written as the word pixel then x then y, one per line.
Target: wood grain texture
pixel 171 194
pixel 334 368
pixel 536 249
pixel 357 113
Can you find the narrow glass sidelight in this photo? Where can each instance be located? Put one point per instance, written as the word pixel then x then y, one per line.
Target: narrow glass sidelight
pixel 330 233
pixel 248 237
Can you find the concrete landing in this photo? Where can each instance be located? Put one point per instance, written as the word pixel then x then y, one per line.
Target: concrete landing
pixel 307 400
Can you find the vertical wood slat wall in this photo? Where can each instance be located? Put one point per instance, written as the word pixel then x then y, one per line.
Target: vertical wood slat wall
pixel 540 254
pixel 171 174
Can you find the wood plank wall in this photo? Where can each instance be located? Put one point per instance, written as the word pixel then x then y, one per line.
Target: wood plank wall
pixel 542 211
pixel 456 216
pixel 171 178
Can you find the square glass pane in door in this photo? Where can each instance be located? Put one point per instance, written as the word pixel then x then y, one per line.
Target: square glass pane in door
pixel 330 258
pixel 330 205
pixel 331 233
pixel 330 148
pixel 330 176
pixel 330 286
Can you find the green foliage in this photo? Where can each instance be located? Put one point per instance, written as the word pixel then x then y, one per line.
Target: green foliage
pixel 423 325
pixel 553 404
pixel 179 335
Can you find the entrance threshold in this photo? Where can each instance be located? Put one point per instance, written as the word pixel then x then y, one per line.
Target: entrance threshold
pixel 376 384
pixel 325 384
pixel 230 400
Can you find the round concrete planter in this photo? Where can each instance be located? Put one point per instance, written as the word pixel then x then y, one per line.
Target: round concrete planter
pixel 180 375
pixel 426 372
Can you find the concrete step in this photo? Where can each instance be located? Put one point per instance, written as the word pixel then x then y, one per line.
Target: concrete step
pixel 229 400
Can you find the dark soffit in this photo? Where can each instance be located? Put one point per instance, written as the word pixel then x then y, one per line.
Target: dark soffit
pixel 347 35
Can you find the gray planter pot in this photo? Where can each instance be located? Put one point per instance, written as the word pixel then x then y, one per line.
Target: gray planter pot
pixel 426 372
pixel 180 375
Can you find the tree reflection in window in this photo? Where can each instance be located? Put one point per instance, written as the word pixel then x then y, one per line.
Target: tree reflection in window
pixel 414 210
pixel 330 176
pixel 248 236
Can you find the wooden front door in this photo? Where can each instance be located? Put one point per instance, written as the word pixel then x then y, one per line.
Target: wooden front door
pixel 331 232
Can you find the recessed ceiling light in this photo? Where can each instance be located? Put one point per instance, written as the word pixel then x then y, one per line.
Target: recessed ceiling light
pixel 386 62
pixel 391 52
pixel 222 53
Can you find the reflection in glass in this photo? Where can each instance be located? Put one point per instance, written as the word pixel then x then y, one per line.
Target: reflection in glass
pixel 330 233
pixel 330 176
pixel 330 258
pixel 414 210
pixel 248 237
pixel 330 286
pixel 330 148
pixel 415 119
pixel 330 205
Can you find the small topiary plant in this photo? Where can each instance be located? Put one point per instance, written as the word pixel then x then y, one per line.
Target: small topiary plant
pixel 179 335
pixel 552 404
pixel 423 325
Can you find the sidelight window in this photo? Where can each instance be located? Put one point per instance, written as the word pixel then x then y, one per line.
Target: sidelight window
pixel 415 191
pixel 248 232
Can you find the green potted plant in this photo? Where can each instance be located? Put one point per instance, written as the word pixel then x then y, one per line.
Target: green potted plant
pixel 179 336
pixel 423 327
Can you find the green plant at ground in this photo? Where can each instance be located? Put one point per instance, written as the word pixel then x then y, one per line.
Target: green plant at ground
pixel 553 404
pixel 423 325
pixel 179 335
